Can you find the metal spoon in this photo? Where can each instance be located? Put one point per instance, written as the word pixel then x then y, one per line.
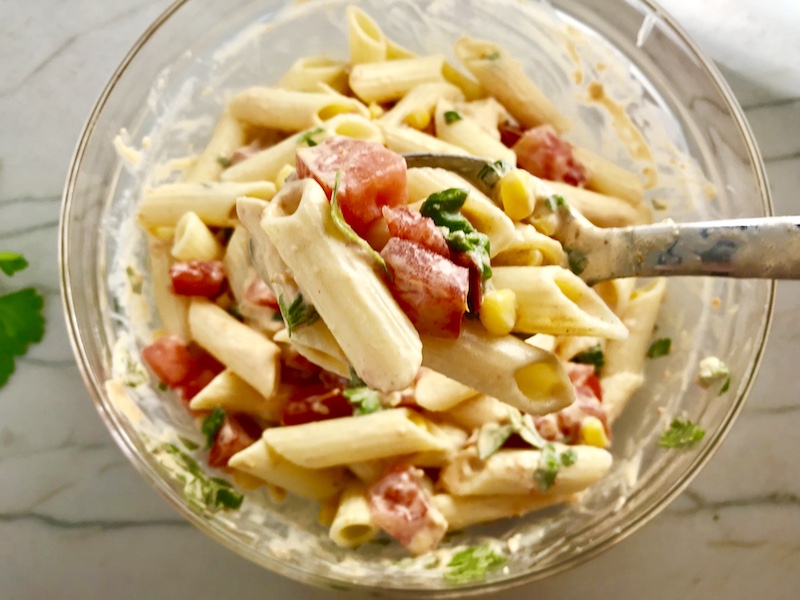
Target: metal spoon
pixel 764 248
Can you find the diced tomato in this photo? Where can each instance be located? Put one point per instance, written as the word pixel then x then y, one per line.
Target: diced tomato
pixel 259 293
pixel 409 225
pixel 543 153
pixel 403 508
pixel 584 376
pixel 198 278
pixel 475 294
pixel 587 402
pixel 169 358
pixel 315 403
pixel 429 288
pixel 233 436
pixel 510 132
pixel 245 152
pixel 371 176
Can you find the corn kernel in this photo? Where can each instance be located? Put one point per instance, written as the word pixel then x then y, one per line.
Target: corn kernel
pixel 517 193
pixel 499 311
pixel 593 433
pixel 418 119
pixel 283 174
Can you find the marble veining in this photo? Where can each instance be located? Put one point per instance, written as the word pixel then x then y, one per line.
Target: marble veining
pixel 77 521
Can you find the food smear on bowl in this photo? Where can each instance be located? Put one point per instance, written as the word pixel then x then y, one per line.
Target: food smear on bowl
pixel 418 354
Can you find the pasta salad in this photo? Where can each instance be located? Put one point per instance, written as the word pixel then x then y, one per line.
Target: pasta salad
pixel 412 353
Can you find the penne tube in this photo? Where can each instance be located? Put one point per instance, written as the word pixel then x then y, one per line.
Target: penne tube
pixel 570 346
pixel 375 334
pixel 228 136
pixel 435 392
pixel 617 391
pixel 314 341
pixel 462 131
pixel 238 267
pixel 616 293
pixel 452 437
pixel 601 210
pixel 464 511
pixel 233 394
pixel 606 177
pixel 214 203
pixel 173 309
pixel 352 526
pixel 389 81
pixel 484 214
pixel 475 412
pixel 511 472
pixel 370 471
pixel 488 113
pixel 556 301
pixel 421 98
pixel 347 440
pixel 194 240
pixel 503 77
pixel 530 248
pixel 366 40
pixel 504 367
pixel 401 139
pixel 471 89
pixel 261 461
pixel 543 341
pixel 224 338
pixel 307 72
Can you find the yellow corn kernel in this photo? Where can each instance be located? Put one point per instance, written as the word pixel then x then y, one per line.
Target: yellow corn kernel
pixel 375 110
pixel 499 311
pixel 283 174
pixel 593 433
pixel 517 194
pixel 418 119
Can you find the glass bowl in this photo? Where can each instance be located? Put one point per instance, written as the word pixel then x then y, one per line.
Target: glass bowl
pixel 166 95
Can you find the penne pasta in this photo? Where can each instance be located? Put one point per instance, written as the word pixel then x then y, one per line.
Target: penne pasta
pixel 422 98
pixel 366 40
pixel 228 135
pixel 530 248
pixel 389 81
pixel 194 240
pixel 233 394
pixel 464 511
pixel 237 263
pixel 352 526
pixel 344 441
pixel 487 112
pixel 605 177
pixel 460 130
pixel 401 139
pixel 601 210
pixel 172 309
pixel 306 73
pixel 476 411
pixel 435 392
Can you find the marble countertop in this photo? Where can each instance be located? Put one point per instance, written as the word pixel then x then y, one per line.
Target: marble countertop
pixel 76 520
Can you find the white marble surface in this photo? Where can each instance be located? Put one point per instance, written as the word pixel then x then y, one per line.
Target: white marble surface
pixel 76 521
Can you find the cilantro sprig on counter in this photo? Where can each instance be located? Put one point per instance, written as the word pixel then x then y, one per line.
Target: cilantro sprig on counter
pixel 21 319
pixel 472 564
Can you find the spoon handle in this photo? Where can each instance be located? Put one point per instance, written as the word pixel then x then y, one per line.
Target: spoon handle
pixel 764 248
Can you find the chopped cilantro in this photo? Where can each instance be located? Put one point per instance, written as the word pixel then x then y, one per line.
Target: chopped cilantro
pixel 135 278
pixel 659 348
pixel 490 174
pixel 308 137
pixel 211 425
pixel 577 260
pixel 568 457
pixel 297 314
pixel 445 210
pixel 135 375
pixel 725 386
pixel 347 231
pixel 495 55
pixel 491 438
pixel 550 463
pixel 162 386
pixel 11 262
pixel 224 161
pixel 452 116
pixel 681 434
pixel 364 399
pixel 21 319
pixel 472 564
pixel 190 445
pixel 592 356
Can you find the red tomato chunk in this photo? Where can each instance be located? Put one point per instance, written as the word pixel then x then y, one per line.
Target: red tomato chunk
pixel 258 293
pixel 203 278
pixel 315 403
pixel 186 369
pixel 371 176
pixel 403 508
pixel 543 153
pixel 233 436
pixel 429 288
pixel 409 225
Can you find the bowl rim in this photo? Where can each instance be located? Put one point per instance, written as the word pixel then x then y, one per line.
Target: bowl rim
pixel 207 526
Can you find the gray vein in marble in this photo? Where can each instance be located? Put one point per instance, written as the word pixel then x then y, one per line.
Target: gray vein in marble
pixel 26 230
pixel 770 104
pixel 68 444
pixel 29 200
pixel 776 410
pixel 102 524
pixel 784 157
pixel 54 363
pixel 702 504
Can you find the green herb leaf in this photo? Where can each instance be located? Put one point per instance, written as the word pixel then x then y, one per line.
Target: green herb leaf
pixel 211 425
pixel 526 429
pixel 365 400
pixel 592 356
pixel 659 348
pixel 577 260
pixel 224 161
pixel 452 116
pixel 190 445
pixel 347 231
pixel 547 469
pixel 492 173
pixel 472 564
pixel 135 374
pixel 11 262
pixel 135 279
pixel 491 438
pixel 725 386
pixel 297 314
pixel 568 457
pixel 682 434
pixel 495 55
pixel 308 137
pixel 21 324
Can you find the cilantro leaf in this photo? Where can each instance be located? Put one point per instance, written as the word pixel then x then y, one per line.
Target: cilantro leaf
pixel 211 425
pixel 659 348
pixel 568 457
pixel 452 116
pixel 297 314
pixel 364 399
pixel 725 386
pixel 592 356
pixel 682 434
pixel 491 438
pixel 492 173
pixel 549 465
pixel 347 231
pixel 21 324
pixel 308 137
pixel 224 161
pixel 495 55
pixel 577 260
pixel 472 564
pixel 11 262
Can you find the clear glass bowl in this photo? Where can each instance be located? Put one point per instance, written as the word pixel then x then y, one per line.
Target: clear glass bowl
pixel 168 91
